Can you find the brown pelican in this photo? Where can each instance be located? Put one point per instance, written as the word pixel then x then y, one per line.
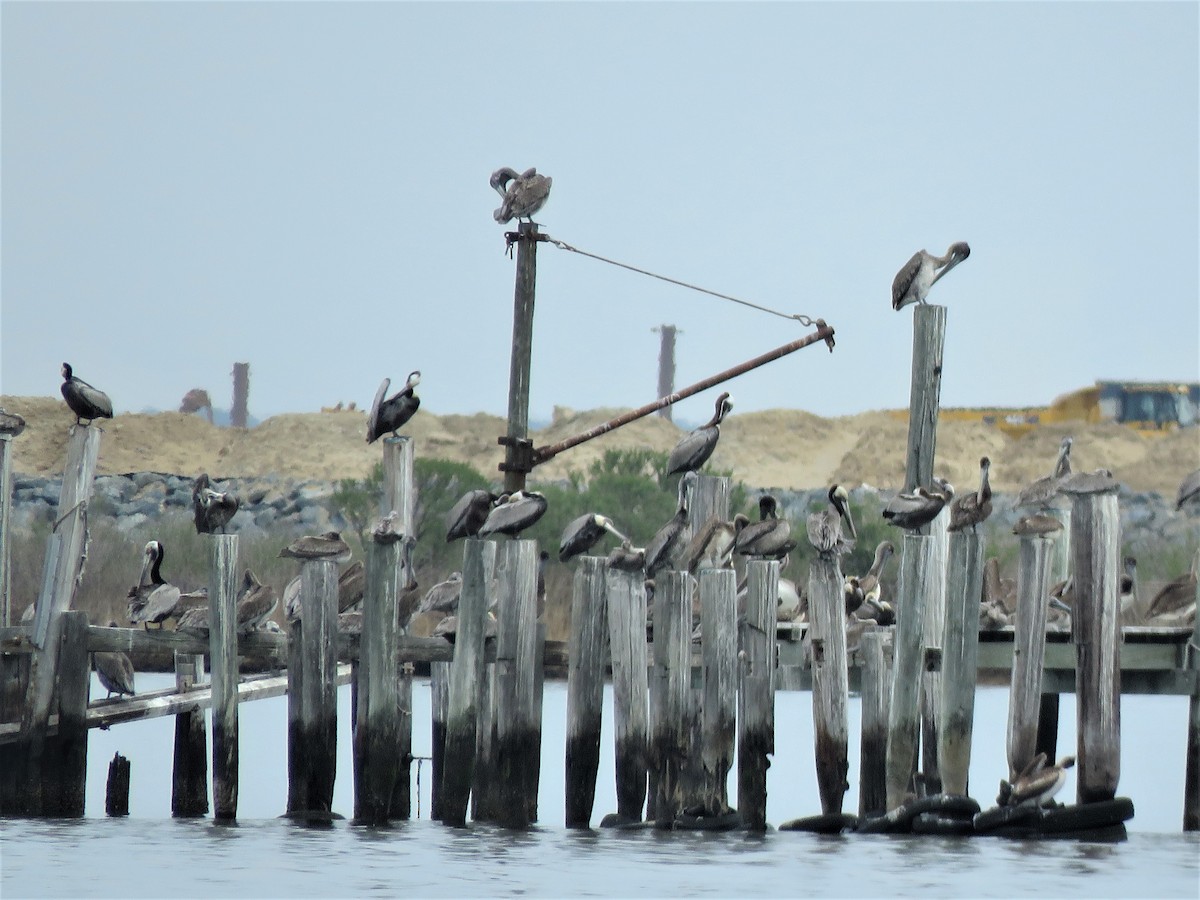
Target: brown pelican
pixel 152 600
pixel 856 590
pixel 291 598
pixel 667 540
pixel 825 526
pixel 584 533
pixel 970 510
pixel 255 603
pixel 711 547
pixel 11 424
pixel 443 596
pixel 448 628
pixel 1043 491
pixel 695 447
pixel 521 195
pixel 627 558
pixel 1189 491
pixel 912 283
pixel 85 401
pixel 515 514
pixel 211 510
pixel 325 546
pixel 1176 602
pixel 768 538
pixel 877 609
pixel 407 603
pixel 467 516
pixel 114 670
pixel 352 584
pixel 911 511
pixel 194 620
pixel 1089 482
pixel 388 415
pixel 1040 526
pixel 1037 784
pixel 997 590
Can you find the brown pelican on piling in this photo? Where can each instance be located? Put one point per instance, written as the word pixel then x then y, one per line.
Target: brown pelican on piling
pixel 911 511
pixel 584 533
pixel 85 401
pixel 695 447
pixel 443 596
pixel 291 598
pixel 627 558
pixel 1176 602
pixel 1189 491
pixel 194 620
pixel 388 415
pixel 919 274
pixel 969 510
pixel 114 670
pixel 211 509
pixel 711 547
pixel 856 589
pixel 255 603
pixel 768 538
pixel 668 539
pixel 1037 784
pixel 152 600
pixel 325 546
pixel 516 513
pixel 825 526
pixel 1043 491
pixel 352 586
pixel 520 195
pixel 1041 526
pixel 467 516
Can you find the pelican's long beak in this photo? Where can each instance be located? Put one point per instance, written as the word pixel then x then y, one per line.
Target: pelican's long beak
pixel 850 522
pixel 954 261
pixel 612 529
pixel 1058 604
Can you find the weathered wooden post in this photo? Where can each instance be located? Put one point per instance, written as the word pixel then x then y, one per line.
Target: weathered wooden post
pixel 485 788
pixel 223 660
pixel 189 774
pixel 904 711
pixel 874 647
pixel 585 690
pixel 1029 649
pixel 625 598
pixel 466 672
pixel 439 702
pixel 1096 628
pixel 318 697
pixel 672 672
pixel 718 629
pixel 1191 777
pixel 64 768
pixel 756 691
pixel 516 465
pixel 297 799
pixel 932 674
pixel 11 425
pixel 116 794
pixel 830 681
pixel 960 659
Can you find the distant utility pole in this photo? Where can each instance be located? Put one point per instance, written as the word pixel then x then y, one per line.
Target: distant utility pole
pixel 666 365
pixel 241 393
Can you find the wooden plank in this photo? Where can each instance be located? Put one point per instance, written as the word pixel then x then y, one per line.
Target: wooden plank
pixel 718 629
pixel 756 691
pixel 904 712
pixel 960 654
pixel 585 690
pixel 222 636
pixel 831 728
pixel 1029 650
pixel 875 650
pixel 669 727
pixel 189 774
pixel 625 597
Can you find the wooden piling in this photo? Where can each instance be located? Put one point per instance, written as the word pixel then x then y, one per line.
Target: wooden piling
pixel 6 612
pixel 399 494
pixel 1047 729
pixel 189 774
pixel 116 794
pixel 466 672
pixel 401 805
pixel 318 687
pixel 904 712
pixel 874 648
pixel 585 689
pixel 718 629
pixel 756 691
pixel 932 674
pixel 485 787
pixel 830 682
pixel 377 735
pixel 439 701
pixel 522 349
pixel 929 338
pixel 297 798
pixel 669 727
pixel 223 660
pixel 625 598
pixel 1029 649
pixel 1096 629
pixel 1191 779
pixel 64 769
pixel 1060 565
pixel 960 655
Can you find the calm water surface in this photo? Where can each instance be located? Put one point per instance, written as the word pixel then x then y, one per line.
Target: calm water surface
pixel 151 855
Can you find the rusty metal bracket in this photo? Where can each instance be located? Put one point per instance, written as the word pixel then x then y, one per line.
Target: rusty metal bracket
pixel 520 455
pixel 512 237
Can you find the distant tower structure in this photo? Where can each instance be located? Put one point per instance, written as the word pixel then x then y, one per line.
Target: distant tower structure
pixel 241 391
pixel 666 365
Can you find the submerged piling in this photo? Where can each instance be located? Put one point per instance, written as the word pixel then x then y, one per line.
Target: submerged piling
pixel 830 682
pixel 672 681
pixel 960 656
pixel 585 690
pixel 904 712
pixel 222 642
pixel 625 598
pixel 756 691
pixel 1029 649
pixel 189 773
pixel 718 710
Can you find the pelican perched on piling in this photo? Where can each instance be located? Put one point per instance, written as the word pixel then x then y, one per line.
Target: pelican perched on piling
pixel 582 534
pixel 1043 491
pixel 768 538
pixel 1040 526
pixel 520 195
pixel 352 586
pixel 825 526
pixel 911 511
pixel 627 558
pixel 668 539
pixel 467 516
pixel 255 603
pixel 323 546
pixel 919 274
pixel 695 447
pixel 1175 604
pixel 443 596
pixel 388 415
pixel 514 514
pixel 152 600
pixel 211 509
pixel 1037 784
pixel 85 401
pixel 970 510
pixel 711 547
pixel 115 671
pixel 857 589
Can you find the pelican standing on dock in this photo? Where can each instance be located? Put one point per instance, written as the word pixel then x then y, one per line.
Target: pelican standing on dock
pixel 520 195
pixel 825 526
pixel 768 538
pixel 1043 491
pixel 211 509
pixel 152 600
pixel 388 415
pixel 467 516
pixel 85 401
pixel 584 533
pixel 912 283
pixel 695 447
pixel 970 510
pixel 516 513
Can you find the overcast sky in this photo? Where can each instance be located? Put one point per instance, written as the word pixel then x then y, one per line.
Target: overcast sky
pixel 304 187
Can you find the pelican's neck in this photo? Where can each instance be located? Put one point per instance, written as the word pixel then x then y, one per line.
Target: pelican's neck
pixel 154 569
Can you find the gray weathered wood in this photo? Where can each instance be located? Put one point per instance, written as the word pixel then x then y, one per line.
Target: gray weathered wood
pixel 1191 780
pixel 64 769
pixel 6 612
pixel 401 806
pixel 960 655
pixel 831 688
pixel 932 674
pixel 318 688
pixel 875 650
pixel 672 672
pixel 223 661
pixel 439 702
pixel 904 711
pixel 1047 730
pixel 756 691
pixel 116 795
pixel 297 798
pixel 1029 650
pixel 189 773
pixel 1060 566
pixel 522 348
pixel 718 710
pixel 929 337
pixel 399 494
pixel 709 497
pixel 398 478
pixel 466 673
pixel 625 597
pixel 1096 629
pixel 585 690
pixel 485 787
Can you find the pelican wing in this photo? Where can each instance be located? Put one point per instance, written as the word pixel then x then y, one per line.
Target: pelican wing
pixel 904 279
pixel 373 431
